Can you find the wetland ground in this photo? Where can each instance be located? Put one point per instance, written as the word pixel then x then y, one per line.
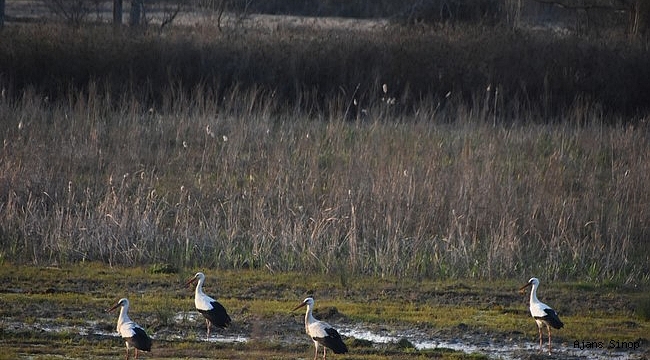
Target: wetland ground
pixel 409 163
pixel 58 312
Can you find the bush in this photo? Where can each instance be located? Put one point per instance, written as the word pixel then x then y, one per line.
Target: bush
pixel 532 70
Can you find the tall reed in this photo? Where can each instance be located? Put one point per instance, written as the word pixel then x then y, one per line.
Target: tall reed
pixel 236 180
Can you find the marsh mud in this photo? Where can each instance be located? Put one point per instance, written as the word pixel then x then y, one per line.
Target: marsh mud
pixel 52 306
pixel 189 326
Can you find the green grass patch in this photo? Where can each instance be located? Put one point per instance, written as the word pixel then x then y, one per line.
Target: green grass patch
pixel 257 300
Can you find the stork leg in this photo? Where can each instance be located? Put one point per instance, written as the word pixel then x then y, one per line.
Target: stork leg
pixel 541 345
pixel 324 352
pixel 315 350
pixel 136 353
pixel 207 324
pixel 127 353
pixel 549 338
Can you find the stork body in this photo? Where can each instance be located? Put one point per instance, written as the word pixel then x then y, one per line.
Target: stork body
pixel 132 333
pixel 213 312
pixel 321 332
pixel 543 314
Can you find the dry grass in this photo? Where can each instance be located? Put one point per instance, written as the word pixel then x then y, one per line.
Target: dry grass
pixel 241 186
pixel 247 150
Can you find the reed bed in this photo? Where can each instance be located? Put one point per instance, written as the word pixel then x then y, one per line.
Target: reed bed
pixel 248 151
pixel 239 186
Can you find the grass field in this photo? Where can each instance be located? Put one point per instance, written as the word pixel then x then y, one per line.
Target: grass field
pixel 59 311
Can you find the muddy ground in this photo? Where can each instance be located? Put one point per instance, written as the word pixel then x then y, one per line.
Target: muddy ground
pixel 48 312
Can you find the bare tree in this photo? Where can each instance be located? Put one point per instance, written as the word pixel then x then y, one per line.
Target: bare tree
pixel 137 13
pixel 72 11
pixel 170 12
pixel 237 9
pixel 2 13
pixel 218 7
pixel 221 7
pixel 117 12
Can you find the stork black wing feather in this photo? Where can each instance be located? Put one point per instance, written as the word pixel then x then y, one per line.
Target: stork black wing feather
pixel 140 340
pixel 553 319
pixel 218 315
pixel 333 341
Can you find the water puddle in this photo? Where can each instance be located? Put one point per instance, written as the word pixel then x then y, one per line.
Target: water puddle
pixel 495 349
pixel 184 317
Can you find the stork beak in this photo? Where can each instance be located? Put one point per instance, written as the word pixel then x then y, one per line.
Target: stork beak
pixel 299 306
pixel 113 308
pixel 190 281
pixel 521 290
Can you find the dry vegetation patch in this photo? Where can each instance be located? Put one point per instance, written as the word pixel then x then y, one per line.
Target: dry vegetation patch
pixel 231 182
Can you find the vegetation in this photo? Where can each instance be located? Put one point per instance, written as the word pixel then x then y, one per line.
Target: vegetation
pixel 515 74
pixel 446 154
pixel 50 312
pixel 407 176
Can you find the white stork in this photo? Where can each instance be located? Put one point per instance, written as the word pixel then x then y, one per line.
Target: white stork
pixel 214 313
pixel 132 333
pixel 542 313
pixel 321 332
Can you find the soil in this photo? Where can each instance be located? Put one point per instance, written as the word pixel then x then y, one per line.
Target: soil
pixel 76 314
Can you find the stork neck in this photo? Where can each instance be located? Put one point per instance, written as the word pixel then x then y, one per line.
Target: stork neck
pixel 199 287
pixel 309 318
pixel 124 317
pixel 533 294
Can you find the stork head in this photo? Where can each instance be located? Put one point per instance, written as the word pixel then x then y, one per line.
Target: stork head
pixel 123 302
pixel 308 301
pixel 533 281
pixel 199 276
